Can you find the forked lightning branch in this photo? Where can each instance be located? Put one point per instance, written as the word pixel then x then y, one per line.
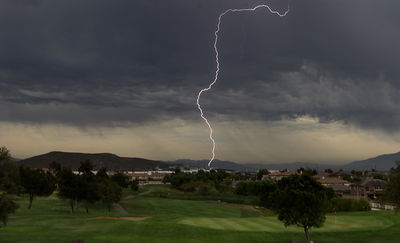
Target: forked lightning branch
pixel 264 6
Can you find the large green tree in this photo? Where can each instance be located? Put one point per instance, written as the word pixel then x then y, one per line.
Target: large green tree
pixel 7 206
pixel 301 200
pixel 10 180
pixel 36 182
pixel 110 192
pixel 69 187
pixel 392 190
pixel 9 173
pixel 4 154
pixel 262 172
pixel 121 179
pixel 135 185
pixel 9 183
pixel 90 186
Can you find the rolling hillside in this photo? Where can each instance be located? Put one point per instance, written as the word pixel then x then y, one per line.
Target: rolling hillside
pixel 381 163
pixel 110 161
pixel 113 162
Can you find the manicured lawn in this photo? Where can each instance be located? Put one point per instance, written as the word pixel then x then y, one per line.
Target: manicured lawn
pixel 185 221
pixel 342 223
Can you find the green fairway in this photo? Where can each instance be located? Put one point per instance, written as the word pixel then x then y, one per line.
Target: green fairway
pixel 271 224
pixel 185 221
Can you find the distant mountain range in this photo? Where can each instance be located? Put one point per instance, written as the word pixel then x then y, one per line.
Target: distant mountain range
pixel 110 161
pixel 381 163
pixel 113 162
pixel 234 166
pixel 217 164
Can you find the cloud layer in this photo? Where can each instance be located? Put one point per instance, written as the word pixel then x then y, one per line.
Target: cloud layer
pixel 100 63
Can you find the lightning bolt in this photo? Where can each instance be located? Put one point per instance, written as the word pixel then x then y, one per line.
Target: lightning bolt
pixel 218 64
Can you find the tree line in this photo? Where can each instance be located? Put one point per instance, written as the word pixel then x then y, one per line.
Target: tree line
pixel 84 188
pixel 203 182
pixel 297 199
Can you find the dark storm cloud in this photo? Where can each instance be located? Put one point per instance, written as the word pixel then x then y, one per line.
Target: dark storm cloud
pixel 107 62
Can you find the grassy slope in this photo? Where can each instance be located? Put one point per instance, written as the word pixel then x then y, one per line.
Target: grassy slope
pixel 186 221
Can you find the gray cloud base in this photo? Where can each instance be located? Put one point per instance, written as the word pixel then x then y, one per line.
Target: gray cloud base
pixel 112 62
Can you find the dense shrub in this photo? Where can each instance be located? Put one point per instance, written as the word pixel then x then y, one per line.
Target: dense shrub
pixel 189 187
pixel 241 188
pixel 134 185
pixel 7 206
pixel 261 189
pixel 349 205
pixel 255 188
pixel 201 182
pixel 121 179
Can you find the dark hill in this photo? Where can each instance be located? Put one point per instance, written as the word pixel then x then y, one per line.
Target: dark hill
pixel 381 163
pixel 217 164
pixel 110 161
pixel 230 165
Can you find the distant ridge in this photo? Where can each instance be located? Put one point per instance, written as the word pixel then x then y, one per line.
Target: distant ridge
pixel 234 166
pixel 110 161
pixel 217 164
pixel 381 163
pixel 113 162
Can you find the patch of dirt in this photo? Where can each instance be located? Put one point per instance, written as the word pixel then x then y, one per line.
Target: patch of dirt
pixel 124 218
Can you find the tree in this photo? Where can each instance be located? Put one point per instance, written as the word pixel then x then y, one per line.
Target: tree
pixel 301 200
pixel 135 185
pixel 69 187
pixel 121 179
pixel 86 167
pixel 102 173
pixel 4 154
pixel 91 194
pixel 241 188
pixel 262 172
pixel 55 167
pixel 89 191
pixel 7 206
pixel 9 182
pixel 392 189
pixel 36 182
pixel 310 172
pixel 10 178
pixel 9 173
pixel 110 193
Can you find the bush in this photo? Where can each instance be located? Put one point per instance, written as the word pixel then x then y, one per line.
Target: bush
pixel 134 185
pixel 223 188
pixel 7 206
pixel 261 189
pixel 121 179
pixel 180 180
pixel 349 205
pixel 204 189
pixel 241 188
pixel 188 187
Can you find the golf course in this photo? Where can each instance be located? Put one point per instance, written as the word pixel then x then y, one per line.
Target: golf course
pixel 149 218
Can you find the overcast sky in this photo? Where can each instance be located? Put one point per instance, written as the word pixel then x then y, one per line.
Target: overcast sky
pixel 122 76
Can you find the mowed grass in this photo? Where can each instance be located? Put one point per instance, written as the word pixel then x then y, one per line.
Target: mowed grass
pixel 185 221
pixel 341 223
